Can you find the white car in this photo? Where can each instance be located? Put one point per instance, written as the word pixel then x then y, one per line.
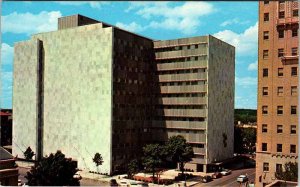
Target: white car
pixel 225 172
pixel 242 178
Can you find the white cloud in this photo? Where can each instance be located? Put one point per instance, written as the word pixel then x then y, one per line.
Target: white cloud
pixel 252 66
pixel 245 43
pixel 248 102
pixel 96 5
pixel 246 81
pixel 233 21
pixel 6 89
pixel 183 18
pixel 30 23
pixel 133 26
pixel 6 54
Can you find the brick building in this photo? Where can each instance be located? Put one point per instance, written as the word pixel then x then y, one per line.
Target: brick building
pixel 277 109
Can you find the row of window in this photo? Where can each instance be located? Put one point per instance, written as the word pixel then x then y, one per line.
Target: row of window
pixel 183 94
pixel 177 48
pixel 293 129
pixel 171 118
pixel 186 131
pixel 281 53
pixel 294 72
pixel 186 83
pixel 265 91
pixel 182 59
pixel 280 33
pixel 181 107
pixel 181 71
pixel 281 14
pixel 264 147
pixel 266 2
pixel 279 110
pixel 266 167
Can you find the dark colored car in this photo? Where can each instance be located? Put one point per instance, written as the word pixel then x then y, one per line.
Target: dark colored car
pixel 216 175
pixel 206 179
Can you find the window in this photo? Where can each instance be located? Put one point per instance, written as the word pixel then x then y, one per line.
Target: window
pixel 264 128
pixel 295 13
pixel 266 2
pixel 280 72
pixel 280 52
pixel 265 90
pixel 266 16
pixel 293 109
pixel 279 129
pixel 281 14
pixel 266 35
pixel 293 148
pixel 265 166
pixel 294 71
pixel 279 110
pixel 281 1
pixel 293 90
pixel 279 148
pixel 293 129
pixel 280 33
pixel 294 32
pixel 188 47
pixel 264 109
pixel 280 91
pixel 196 46
pixel 265 72
pixel 264 147
pixel 265 54
pixel 294 51
pixel 278 167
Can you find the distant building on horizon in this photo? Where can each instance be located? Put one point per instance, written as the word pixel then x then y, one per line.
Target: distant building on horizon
pixel 91 87
pixel 277 108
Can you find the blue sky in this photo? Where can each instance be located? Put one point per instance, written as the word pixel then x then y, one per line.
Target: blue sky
pixel 233 22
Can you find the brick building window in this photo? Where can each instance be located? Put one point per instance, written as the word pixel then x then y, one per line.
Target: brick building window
pixel 265 91
pixel 280 52
pixel 278 167
pixel 279 129
pixel 265 72
pixel 264 147
pixel 280 72
pixel 264 109
pixel 281 14
pixel 293 129
pixel 293 148
pixel 294 91
pixel 280 91
pixel 279 110
pixel 264 128
pixel 266 16
pixel 293 109
pixel 294 71
pixel 279 148
pixel 294 32
pixel 265 166
pixel 281 33
pixel 266 35
pixel 295 13
pixel 265 54
pixel 266 2
pixel 294 51
pixel 281 1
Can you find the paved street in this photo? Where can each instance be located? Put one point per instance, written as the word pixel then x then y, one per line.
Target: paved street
pixel 230 180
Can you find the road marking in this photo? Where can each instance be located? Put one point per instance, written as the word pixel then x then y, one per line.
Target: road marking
pixel 236 182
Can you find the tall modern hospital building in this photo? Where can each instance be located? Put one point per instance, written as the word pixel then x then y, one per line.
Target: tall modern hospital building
pixel 90 87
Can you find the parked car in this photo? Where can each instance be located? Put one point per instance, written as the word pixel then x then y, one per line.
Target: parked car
pixel 206 179
pixel 225 172
pixel 124 183
pixel 113 182
pixel 242 178
pixel 216 175
pixel 142 185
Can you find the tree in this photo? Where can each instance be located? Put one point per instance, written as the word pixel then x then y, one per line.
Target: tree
pixel 132 168
pixel 179 151
pixel 290 172
pixel 28 154
pixel 152 159
pixel 98 160
pixel 54 170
